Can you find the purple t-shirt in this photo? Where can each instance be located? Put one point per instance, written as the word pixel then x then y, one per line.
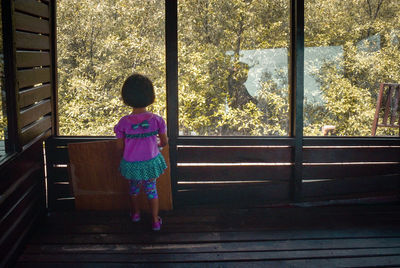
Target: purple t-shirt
pixel 140 133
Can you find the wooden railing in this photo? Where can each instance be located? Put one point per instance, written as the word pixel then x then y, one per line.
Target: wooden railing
pixel 228 172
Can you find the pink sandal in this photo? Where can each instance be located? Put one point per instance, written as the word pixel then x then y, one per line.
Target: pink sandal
pixel 157 225
pixel 135 217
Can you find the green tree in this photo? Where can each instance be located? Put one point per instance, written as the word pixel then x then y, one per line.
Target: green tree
pixel 115 39
pixel 118 37
pixel 212 34
pixel 368 32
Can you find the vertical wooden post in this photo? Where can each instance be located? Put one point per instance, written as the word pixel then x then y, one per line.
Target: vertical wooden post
pixel 296 94
pixel 388 104
pixel 171 37
pixel 397 99
pixel 53 67
pixel 378 107
pixel 10 70
pixel 391 107
pixel 396 89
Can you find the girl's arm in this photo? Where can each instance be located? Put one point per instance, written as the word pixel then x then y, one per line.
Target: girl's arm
pixel 163 139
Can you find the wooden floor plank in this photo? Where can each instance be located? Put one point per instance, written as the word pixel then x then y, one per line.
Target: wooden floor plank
pixel 332 236
pixel 294 218
pixel 383 261
pixel 213 214
pixel 347 243
pixel 206 237
pixel 213 257
pixel 219 226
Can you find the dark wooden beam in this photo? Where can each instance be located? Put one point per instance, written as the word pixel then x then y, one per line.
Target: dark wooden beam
pixel 235 141
pixel 171 37
pixel 351 141
pixel 234 154
pixel 296 68
pixel 53 67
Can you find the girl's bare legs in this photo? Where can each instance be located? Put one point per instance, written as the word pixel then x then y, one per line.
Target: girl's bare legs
pixel 153 199
pixel 134 205
pixel 154 205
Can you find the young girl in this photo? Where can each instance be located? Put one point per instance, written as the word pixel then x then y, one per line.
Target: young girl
pixel 142 162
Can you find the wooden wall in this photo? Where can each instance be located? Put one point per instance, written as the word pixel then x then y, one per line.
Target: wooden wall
pixel 233 174
pixel 30 83
pixel 22 199
pixel 256 172
pixel 34 73
pixel 348 167
pixel 261 171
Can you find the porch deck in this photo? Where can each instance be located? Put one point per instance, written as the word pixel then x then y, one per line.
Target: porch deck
pixel 285 236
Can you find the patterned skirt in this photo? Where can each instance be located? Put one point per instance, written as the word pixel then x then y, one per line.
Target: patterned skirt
pixel 143 170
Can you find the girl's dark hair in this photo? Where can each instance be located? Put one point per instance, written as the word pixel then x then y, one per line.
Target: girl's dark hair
pixel 138 91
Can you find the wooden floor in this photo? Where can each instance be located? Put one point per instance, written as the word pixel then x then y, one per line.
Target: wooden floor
pixel 325 236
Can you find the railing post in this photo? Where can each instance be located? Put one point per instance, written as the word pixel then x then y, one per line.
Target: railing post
pixel 296 94
pixel 171 37
pixel 53 67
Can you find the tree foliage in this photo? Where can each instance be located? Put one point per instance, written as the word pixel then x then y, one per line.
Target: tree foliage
pixel 368 32
pixel 100 43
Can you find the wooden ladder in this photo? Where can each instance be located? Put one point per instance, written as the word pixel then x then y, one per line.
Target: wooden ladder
pixel 390 94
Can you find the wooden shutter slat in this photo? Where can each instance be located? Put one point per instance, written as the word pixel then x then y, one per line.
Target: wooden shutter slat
pixel 32 24
pixel 34 113
pixel 32 7
pixel 26 59
pixel 32 95
pixel 35 130
pixel 33 77
pixel 31 41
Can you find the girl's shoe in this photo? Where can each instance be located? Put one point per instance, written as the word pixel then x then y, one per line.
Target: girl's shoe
pixel 157 225
pixel 135 217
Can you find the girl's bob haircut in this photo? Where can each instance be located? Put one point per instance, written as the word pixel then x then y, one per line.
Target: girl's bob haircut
pixel 138 91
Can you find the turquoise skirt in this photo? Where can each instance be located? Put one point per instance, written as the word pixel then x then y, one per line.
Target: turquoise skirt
pixel 143 170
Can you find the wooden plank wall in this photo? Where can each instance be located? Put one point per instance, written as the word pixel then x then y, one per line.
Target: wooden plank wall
pixel 258 172
pixel 344 168
pixel 31 80
pixel 341 168
pixel 233 174
pixel 22 199
pixel 240 174
pixel 34 72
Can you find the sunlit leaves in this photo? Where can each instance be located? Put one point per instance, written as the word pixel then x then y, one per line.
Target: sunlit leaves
pixel 366 32
pixel 100 43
